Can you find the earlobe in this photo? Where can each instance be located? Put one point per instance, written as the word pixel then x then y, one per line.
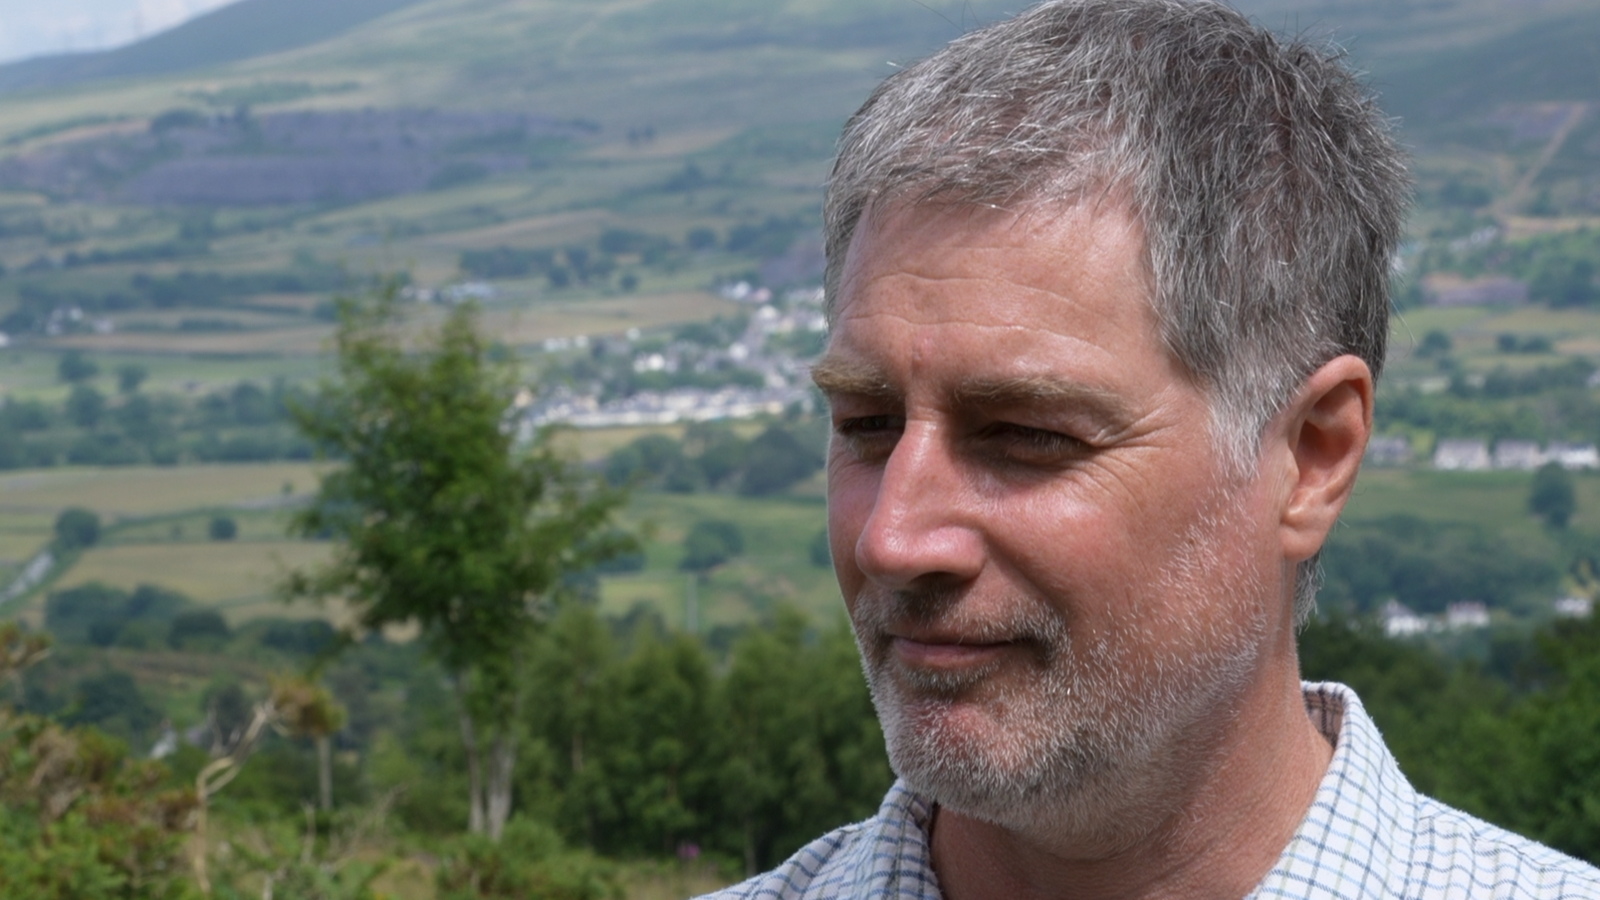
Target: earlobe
pixel 1327 427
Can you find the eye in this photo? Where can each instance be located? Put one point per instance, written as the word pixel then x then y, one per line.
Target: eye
pixel 870 437
pixel 1025 445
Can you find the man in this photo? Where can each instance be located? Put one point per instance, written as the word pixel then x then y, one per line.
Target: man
pixel 1109 286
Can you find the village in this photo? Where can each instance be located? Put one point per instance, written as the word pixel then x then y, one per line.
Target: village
pixel 783 382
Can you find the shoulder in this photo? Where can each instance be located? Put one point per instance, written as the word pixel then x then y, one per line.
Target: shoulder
pixel 823 868
pixel 886 857
pixel 1370 834
pixel 1457 854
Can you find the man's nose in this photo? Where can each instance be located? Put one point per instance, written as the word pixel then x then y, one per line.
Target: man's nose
pixel 922 527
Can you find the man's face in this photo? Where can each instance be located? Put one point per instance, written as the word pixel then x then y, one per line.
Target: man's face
pixel 1050 577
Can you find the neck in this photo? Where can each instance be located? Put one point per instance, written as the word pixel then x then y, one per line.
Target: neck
pixel 1221 827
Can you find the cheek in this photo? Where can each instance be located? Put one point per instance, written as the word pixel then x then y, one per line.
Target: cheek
pixel 1103 552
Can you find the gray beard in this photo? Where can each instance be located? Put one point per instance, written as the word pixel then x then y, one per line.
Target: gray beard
pixel 1076 743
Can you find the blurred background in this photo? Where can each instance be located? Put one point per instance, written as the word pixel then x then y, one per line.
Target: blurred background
pixel 626 195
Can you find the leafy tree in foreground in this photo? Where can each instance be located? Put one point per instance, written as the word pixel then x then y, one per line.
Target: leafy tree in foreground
pixel 443 520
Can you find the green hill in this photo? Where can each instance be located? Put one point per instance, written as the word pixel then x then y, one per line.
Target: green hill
pixel 1553 60
pixel 239 31
pixel 431 129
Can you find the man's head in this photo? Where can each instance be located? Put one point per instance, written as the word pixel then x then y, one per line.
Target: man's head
pixel 1269 188
pixel 1084 267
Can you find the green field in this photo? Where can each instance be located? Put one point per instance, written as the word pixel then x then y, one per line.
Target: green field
pixel 158 520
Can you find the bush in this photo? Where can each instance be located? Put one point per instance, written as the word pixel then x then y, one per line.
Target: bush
pixel 1553 497
pixel 80 820
pixel 529 861
pixel 198 626
pixel 74 367
pixel 307 637
pixel 777 461
pixel 77 528
pixel 113 702
pixel 80 614
pixel 710 543
pixel 101 615
pixel 222 528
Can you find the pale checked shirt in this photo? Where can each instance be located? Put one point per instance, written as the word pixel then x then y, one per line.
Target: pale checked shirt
pixel 1368 835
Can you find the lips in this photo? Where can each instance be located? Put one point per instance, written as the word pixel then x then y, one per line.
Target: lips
pixel 923 652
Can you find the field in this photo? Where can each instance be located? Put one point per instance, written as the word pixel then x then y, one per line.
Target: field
pixel 157 522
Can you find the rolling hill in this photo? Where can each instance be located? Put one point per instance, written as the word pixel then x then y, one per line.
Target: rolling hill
pixel 274 137
pixel 239 31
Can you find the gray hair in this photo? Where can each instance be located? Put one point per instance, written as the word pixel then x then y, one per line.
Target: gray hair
pixel 1270 189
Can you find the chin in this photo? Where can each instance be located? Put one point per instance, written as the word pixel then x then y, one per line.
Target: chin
pixel 994 751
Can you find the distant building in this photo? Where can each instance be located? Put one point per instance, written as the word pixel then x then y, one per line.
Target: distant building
pixel 1574 456
pixel 1466 614
pixel 1400 621
pixel 1518 455
pixel 1388 450
pixel 1574 608
pixel 1461 456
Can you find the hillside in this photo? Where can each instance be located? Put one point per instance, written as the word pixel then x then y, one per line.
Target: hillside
pixel 273 141
pixel 239 31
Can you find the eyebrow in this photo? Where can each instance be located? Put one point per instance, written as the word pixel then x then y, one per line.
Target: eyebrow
pixel 841 376
pixel 1038 389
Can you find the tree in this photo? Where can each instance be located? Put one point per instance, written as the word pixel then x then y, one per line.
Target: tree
pixel 85 406
pixel 1553 497
pixel 314 713
pixel 222 528
pixel 1564 281
pixel 710 543
pixel 77 528
pixel 75 367
pixel 777 461
pixel 1435 343
pixel 130 376
pixel 443 519
pixel 205 627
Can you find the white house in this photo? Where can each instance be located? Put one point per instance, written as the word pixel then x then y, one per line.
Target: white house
pixel 1461 455
pixel 1466 614
pixel 1512 454
pixel 1574 456
pixel 1574 608
pixel 1400 621
pixel 1388 450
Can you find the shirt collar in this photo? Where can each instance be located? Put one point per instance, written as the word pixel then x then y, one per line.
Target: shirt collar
pixel 1354 841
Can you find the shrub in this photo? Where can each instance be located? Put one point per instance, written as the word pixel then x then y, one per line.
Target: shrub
pixel 710 543
pixel 529 861
pixel 198 626
pixel 77 528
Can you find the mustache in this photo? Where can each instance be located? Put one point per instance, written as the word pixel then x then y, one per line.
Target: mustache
pixel 877 614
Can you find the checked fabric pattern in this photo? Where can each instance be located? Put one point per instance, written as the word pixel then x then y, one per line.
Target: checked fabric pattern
pixel 1368 835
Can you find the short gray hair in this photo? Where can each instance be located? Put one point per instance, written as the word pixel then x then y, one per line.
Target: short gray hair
pixel 1270 188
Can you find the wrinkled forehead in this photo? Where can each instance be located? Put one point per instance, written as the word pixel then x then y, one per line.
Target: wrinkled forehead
pixel 912 215
pixel 1064 234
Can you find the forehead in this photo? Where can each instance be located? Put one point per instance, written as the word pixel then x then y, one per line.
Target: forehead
pixel 1041 291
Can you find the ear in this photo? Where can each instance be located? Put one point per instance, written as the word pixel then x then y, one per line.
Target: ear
pixel 1325 435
